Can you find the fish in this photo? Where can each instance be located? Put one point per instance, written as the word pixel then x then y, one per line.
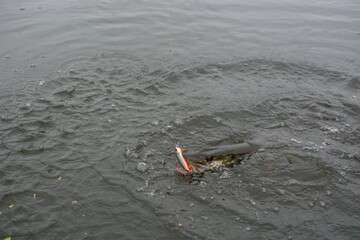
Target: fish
pixel 212 158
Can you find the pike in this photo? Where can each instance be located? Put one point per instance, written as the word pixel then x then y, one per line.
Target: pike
pixel 210 158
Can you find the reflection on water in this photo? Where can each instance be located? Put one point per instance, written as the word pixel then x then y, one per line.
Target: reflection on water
pixel 88 94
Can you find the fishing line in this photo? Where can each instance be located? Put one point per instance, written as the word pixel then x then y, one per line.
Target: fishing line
pixel 172 42
pixel 169 29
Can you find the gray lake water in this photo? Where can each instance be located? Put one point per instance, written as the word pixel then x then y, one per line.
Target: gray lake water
pixel 89 89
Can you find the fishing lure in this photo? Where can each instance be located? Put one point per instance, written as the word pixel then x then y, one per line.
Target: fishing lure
pixel 183 162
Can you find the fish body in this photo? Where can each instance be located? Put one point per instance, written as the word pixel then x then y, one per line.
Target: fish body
pixel 212 158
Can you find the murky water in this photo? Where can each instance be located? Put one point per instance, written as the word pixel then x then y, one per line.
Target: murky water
pixel 89 89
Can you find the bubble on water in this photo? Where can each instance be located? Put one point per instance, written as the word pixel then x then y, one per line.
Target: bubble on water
pixel 202 184
pixel 224 175
pixel 281 191
pixel 322 203
pixel 218 119
pixel 178 122
pixel 141 167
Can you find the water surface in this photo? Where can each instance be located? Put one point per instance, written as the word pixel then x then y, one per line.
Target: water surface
pixel 88 89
